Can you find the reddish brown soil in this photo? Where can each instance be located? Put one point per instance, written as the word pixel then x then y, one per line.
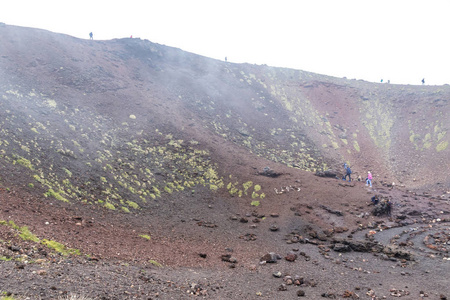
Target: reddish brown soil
pixel 189 232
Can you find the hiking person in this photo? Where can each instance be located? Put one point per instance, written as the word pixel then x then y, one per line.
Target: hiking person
pixel 375 200
pixel 91 35
pixel 389 207
pixel 369 179
pixel 423 81
pixel 348 173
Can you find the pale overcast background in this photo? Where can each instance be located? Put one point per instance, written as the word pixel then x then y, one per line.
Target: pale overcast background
pixel 398 40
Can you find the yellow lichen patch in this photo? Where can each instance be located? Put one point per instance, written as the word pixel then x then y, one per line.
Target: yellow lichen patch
pixel 24 162
pixel 109 205
pixel 356 146
pixel 442 146
pixel 246 186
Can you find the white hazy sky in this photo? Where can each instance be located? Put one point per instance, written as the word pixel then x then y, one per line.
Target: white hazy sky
pixel 398 40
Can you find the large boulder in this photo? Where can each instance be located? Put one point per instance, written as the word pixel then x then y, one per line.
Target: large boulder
pixel 327 173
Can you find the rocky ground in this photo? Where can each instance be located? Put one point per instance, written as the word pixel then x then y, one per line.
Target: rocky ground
pixel 332 247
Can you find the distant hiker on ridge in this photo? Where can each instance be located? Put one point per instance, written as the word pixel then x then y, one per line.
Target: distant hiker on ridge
pixel 91 35
pixel 423 81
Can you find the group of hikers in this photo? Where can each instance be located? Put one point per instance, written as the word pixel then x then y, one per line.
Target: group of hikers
pixel 383 205
pixel 348 173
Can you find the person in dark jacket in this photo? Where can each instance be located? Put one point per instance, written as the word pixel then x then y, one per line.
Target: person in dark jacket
pixel 348 173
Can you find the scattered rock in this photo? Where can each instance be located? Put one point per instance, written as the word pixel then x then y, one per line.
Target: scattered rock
pixel 277 274
pixel 228 258
pixel 270 257
pixel 398 293
pixel 348 294
pixel 301 293
pixel 291 256
pixel 248 237
pixel 341 248
pixel 273 227
pixel 288 280
pixel 328 295
pixel 332 211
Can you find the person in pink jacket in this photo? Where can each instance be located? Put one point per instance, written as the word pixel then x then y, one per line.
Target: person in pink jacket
pixel 369 179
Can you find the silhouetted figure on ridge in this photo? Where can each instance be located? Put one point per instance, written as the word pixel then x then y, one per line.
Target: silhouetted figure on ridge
pixel 91 35
pixel 423 81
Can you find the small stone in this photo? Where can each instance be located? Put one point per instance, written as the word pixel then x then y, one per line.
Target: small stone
pixel 277 274
pixel 301 293
pixel 291 257
pixel 273 227
pixel 282 287
pixel 41 272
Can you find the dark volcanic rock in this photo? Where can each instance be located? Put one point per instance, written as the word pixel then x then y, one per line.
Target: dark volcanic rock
pixel 328 173
pixel 270 257
pixel 341 248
